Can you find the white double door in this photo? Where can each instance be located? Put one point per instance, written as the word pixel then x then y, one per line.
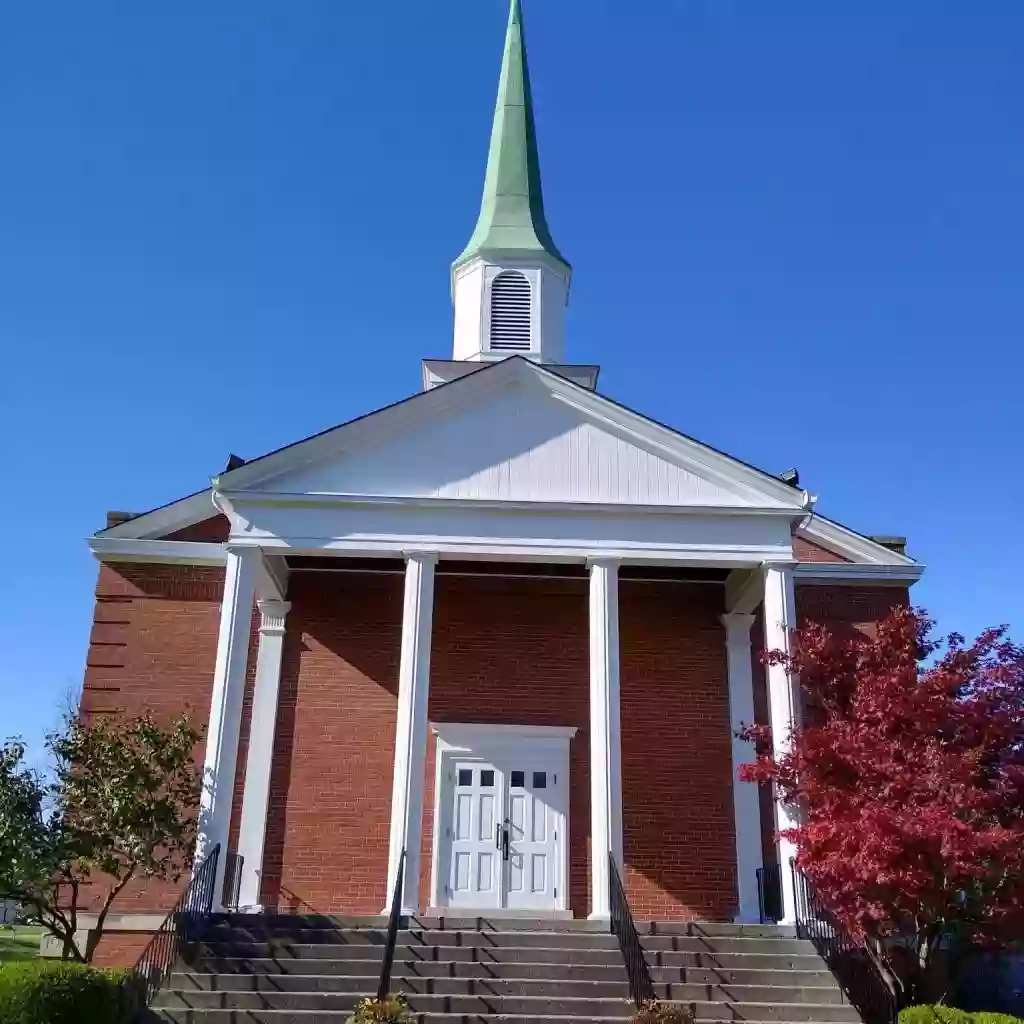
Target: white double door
pixel 502 831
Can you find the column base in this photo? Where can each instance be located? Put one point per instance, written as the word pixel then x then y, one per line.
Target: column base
pixel 600 916
pixel 748 919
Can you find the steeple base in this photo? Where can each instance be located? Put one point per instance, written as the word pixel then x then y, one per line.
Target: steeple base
pixel 441 371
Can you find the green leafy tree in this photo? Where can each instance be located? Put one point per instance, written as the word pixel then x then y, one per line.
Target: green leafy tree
pixel 119 805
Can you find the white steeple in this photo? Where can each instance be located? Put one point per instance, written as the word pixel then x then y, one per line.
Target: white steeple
pixel 510 286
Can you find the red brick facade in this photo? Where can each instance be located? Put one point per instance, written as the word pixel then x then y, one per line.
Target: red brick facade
pixel 330 785
pixel 152 648
pixel 504 651
pixel 805 550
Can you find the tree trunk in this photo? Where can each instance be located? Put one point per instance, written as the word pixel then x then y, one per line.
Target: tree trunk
pixel 96 932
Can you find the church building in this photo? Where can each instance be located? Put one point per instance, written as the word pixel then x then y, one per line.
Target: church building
pixel 497 637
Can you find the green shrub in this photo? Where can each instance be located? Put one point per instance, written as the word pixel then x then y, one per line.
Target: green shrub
pixel 951 1015
pixel 392 1009
pixel 656 1012
pixel 53 992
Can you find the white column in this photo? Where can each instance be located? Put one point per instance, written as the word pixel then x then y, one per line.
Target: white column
pixel 226 709
pixel 253 829
pixel 605 733
pixel 784 708
pixel 744 794
pixel 411 733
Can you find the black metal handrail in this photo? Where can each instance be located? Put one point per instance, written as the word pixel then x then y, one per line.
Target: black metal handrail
pixel 853 968
pixel 182 926
pixel 641 988
pixel 394 921
pixel 769 893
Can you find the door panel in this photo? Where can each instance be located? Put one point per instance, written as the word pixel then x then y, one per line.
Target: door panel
pixel 533 856
pixel 476 797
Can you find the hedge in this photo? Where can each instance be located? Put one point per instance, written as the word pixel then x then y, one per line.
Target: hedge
pixel 950 1015
pixel 54 992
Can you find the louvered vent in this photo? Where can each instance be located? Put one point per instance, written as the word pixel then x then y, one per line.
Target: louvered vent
pixel 510 312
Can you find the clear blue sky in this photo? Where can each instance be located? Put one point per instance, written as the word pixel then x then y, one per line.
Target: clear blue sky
pixel 796 229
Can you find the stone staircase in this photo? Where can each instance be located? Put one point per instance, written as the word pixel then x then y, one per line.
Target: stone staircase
pixel 290 969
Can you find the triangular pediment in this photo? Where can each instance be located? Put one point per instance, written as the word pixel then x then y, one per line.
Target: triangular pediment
pixel 518 434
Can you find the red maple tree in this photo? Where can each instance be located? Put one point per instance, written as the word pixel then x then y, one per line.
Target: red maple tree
pixel 908 768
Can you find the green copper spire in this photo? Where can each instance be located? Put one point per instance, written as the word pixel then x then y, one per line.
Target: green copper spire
pixel 511 222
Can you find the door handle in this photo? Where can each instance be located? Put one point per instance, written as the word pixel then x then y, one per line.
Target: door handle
pixel 497 836
pixel 504 843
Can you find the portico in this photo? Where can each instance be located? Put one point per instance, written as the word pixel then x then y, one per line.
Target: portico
pixel 748 547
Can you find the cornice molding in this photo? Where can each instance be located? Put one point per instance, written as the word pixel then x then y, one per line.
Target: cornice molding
pixel 118 549
pixel 243 498
pixel 854 573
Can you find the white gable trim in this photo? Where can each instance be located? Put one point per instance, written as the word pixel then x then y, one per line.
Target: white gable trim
pixel 722 469
pixel 844 541
pixel 167 519
pixel 759 488
pixel 373 428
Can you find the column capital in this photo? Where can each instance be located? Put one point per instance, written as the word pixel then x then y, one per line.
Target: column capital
pixel 782 566
pixel 426 557
pixel 738 623
pixel 272 615
pixel 604 562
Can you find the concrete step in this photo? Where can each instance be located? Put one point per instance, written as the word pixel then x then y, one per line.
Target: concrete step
pixel 268 924
pixel 240 935
pixel 716 929
pixel 344 1002
pixel 184 1016
pixel 261 959
pixel 356 970
pixel 419 937
pixel 218 940
pixel 587 1006
pixel 788 1012
pixel 615 988
pixel 737 961
pixel 480 954
pixel 286 922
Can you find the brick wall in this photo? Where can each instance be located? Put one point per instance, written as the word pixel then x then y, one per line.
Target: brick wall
pixel 805 550
pixel 152 648
pixel 121 949
pixel 504 651
pixel 849 610
pixel 679 834
pixel 214 530
pixel 330 789
pixel 509 651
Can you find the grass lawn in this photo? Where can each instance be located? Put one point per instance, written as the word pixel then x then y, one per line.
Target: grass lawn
pixel 19 942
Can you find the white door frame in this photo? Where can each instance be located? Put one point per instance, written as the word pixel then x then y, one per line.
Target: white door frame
pixel 459 739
